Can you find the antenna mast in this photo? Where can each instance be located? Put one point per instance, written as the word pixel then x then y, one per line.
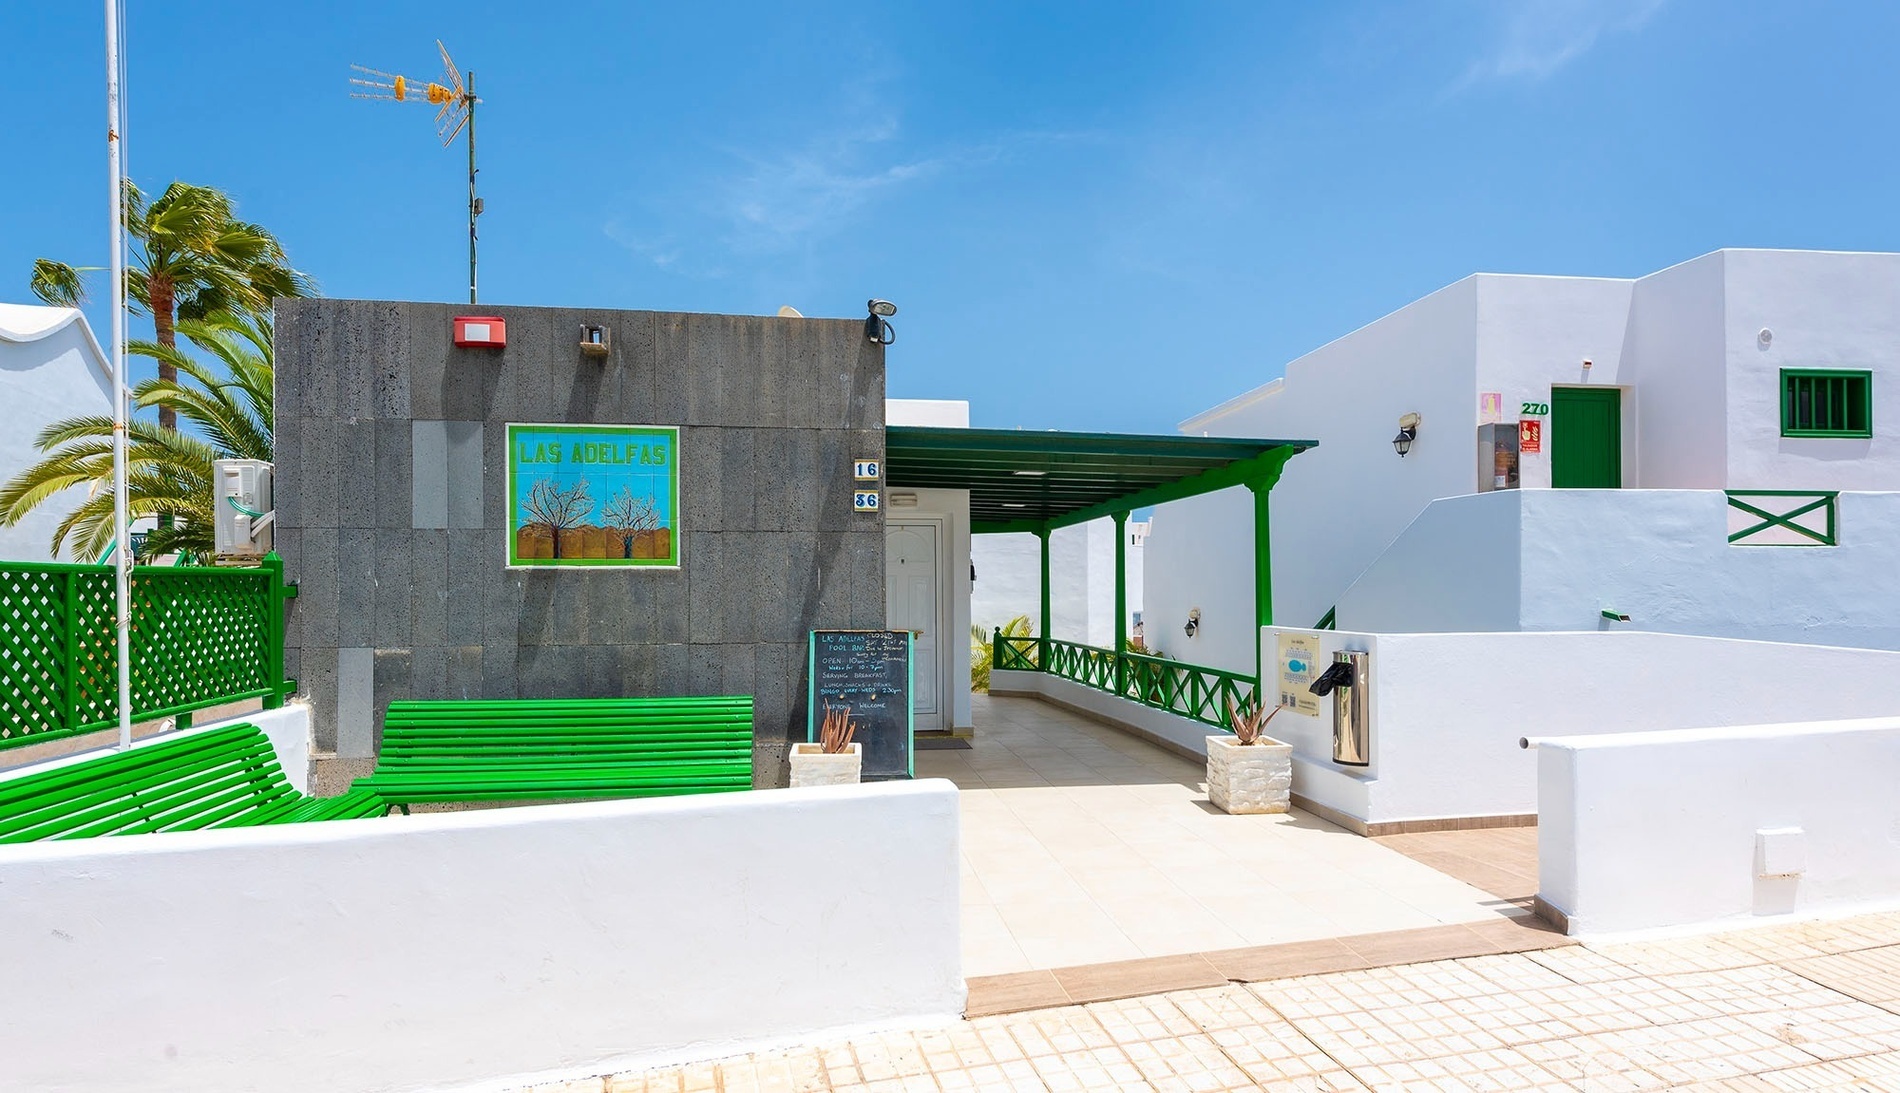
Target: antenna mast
pixel 457 102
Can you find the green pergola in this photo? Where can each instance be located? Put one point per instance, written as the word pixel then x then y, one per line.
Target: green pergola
pixel 1036 482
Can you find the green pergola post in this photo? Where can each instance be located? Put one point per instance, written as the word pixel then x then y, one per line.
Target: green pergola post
pixel 1121 599
pixel 1262 487
pixel 1042 634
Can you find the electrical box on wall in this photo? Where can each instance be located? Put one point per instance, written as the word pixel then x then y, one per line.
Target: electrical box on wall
pixel 480 332
pixel 242 491
pixel 1497 457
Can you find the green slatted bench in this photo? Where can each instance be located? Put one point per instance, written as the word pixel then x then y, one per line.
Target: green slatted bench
pixel 562 749
pixel 225 777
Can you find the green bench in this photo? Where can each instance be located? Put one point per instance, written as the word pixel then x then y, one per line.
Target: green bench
pixel 226 777
pixel 562 749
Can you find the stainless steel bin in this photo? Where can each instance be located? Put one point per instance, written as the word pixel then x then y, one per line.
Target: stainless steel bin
pixel 1352 732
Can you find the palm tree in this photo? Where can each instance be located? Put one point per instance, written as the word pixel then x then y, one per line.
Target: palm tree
pixel 191 258
pixel 167 472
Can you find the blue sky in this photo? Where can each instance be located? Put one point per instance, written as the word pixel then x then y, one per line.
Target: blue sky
pixel 1093 216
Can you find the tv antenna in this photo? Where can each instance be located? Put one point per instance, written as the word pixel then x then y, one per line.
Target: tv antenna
pixel 456 100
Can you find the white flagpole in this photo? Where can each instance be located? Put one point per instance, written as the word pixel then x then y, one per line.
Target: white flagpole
pixel 122 544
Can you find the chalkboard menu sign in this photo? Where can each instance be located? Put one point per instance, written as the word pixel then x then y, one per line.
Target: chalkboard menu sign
pixel 868 673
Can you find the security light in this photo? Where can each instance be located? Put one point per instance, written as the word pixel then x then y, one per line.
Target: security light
pixel 875 328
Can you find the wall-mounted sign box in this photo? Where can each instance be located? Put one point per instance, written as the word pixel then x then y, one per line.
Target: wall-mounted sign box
pixel 867 672
pixel 480 332
pixel 865 500
pixel 593 496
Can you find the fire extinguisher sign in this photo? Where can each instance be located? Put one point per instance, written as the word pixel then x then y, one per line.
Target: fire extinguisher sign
pixel 1530 435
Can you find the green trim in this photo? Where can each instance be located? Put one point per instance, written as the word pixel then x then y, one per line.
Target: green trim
pixel 675 519
pixel 1187 690
pixel 1328 620
pixel 1021 481
pixel 1121 582
pixel 1843 409
pixel 1829 500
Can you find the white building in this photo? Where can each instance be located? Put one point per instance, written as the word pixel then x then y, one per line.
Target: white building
pixel 1008 580
pixel 1654 406
pixel 51 368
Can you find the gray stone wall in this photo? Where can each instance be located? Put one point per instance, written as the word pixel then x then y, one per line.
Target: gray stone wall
pixel 390 482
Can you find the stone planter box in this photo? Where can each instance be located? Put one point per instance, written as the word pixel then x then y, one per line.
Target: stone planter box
pixel 1248 780
pixel 812 767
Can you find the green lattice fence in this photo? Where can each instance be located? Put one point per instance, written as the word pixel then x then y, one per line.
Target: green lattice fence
pixel 1202 694
pixel 200 636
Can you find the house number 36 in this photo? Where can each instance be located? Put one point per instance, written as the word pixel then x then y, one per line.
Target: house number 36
pixel 1535 409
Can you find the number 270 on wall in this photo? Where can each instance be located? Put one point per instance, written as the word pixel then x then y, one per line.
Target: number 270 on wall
pixel 1535 409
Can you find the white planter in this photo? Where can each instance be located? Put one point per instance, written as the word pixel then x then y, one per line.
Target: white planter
pixel 1252 779
pixel 812 767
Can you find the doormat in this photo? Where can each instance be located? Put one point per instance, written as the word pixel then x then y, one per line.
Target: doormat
pixel 942 743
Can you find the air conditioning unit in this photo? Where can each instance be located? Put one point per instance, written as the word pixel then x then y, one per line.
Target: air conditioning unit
pixel 244 511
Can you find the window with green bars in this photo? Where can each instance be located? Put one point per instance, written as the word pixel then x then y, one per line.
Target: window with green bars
pixel 1826 403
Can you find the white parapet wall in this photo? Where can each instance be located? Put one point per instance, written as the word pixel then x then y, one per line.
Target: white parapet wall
pixel 1447 710
pixel 1701 826
pixel 288 728
pixel 478 949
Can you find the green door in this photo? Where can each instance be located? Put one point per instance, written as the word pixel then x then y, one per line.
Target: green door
pixel 1586 437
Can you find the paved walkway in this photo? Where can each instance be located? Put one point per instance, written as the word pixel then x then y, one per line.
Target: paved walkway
pixel 1084 845
pixel 1794 1007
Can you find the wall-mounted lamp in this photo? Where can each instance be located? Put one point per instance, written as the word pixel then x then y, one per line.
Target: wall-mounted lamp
pixel 875 328
pixel 1194 622
pixel 1408 432
pixel 595 340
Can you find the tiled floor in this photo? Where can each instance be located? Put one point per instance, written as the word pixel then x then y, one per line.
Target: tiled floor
pixel 1794 1007
pixel 1499 860
pixel 1084 845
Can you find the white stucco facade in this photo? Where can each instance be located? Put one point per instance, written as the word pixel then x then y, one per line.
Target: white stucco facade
pixel 1696 353
pixel 489 949
pixel 51 367
pixel 1446 711
pixel 1697 827
pixel 1081 580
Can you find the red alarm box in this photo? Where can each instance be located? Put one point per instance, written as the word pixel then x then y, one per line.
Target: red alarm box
pixel 480 332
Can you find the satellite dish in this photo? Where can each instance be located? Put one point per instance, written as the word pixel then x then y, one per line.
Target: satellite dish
pixel 789 312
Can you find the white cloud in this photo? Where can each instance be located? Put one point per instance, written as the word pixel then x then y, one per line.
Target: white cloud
pixel 1536 38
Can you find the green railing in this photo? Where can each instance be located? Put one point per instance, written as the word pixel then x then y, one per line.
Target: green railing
pixel 1201 694
pixel 199 636
pixel 1782 517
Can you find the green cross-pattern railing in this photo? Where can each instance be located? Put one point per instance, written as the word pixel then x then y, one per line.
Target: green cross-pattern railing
pixel 1201 694
pixel 1803 502
pixel 200 636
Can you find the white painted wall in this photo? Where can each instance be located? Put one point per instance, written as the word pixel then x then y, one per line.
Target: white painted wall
pixel 936 413
pixel 1448 709
pixel 1682 412
pixel 1337 506
pixel 1082 581
pixel 51 368
pixel 1701 409
pixel 1657 829
pixel 1536 332
pixel 493 948
pixel 1556 559
pixel 1825 310
pixel 287 727
pixel 1199 555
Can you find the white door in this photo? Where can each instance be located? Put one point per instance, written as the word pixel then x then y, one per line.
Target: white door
pixel 911 603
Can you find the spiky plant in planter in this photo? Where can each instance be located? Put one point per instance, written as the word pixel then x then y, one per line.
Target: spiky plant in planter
pixel 1248 771
pixel 835 734
pixel 1247 721
pixel 835 758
